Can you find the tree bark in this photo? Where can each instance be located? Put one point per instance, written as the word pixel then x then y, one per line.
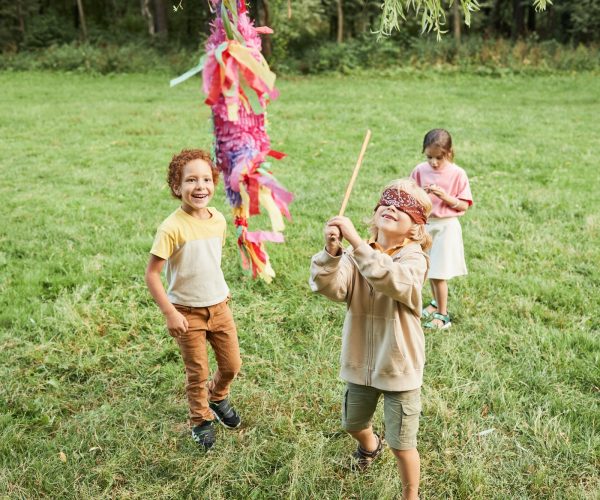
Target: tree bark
pixel 21 19
pixel 147 14
pixel 531 19
pixel 361 21
pixel 518 27
pixel 82 20
pixel 340 22
pixel 264 18
pixel 495 18
pixel 160 19
pixel 456 21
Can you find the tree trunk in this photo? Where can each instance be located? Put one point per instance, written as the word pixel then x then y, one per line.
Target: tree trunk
pixel 147 14
pixel 361 21
pixel 340 22
pixel 114 7
pixel 21 19
pixel 160 19
pixel 495 18
pixel 264 17
pixel 82 20
pixel 518 27
pixel 456 21
pixel 531 19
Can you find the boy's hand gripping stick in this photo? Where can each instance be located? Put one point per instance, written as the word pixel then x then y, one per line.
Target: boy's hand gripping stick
pixel 333 239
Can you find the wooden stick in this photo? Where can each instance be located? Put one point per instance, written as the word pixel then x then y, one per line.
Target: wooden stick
pixel 351 183
pixel 355 172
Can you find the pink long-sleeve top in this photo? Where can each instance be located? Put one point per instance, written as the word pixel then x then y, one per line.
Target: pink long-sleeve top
pixel 452 179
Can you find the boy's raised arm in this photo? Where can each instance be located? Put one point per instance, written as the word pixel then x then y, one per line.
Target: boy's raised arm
pixel 330 270
pixel 331 276
pixel 401 280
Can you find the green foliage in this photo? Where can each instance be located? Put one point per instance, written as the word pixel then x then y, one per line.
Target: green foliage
pixel 92 401
pixel 474 54
pixel 432 14
pixel 363 52
pixel 501 56
pixel 46 30
pixel 300 32
pixel 585 20
pixel 118 38
pixel 33 24
pixel 106 58
pixel 541 4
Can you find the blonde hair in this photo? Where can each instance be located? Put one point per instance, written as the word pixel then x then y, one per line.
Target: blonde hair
pixel 418 234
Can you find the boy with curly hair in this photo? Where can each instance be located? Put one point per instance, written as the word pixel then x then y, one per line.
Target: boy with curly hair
pixel 195 304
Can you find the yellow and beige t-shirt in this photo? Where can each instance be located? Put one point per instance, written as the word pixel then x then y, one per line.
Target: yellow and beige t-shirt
pixel 192 248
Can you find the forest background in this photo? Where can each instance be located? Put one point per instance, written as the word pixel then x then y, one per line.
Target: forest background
pixel 92 400
pixel 311 36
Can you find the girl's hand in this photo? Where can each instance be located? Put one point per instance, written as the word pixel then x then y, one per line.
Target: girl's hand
pixel 176 323
pixel 347 229
pixel 436 190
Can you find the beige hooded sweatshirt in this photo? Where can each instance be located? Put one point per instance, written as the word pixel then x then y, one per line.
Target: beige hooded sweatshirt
pixel 382 341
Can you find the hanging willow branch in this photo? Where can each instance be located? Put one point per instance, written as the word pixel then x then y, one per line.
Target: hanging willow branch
pixel 431 12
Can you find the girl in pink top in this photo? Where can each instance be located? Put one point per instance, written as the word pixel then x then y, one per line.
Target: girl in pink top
pixel 448 188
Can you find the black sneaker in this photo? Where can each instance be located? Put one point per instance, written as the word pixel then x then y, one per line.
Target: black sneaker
pixel 362 459
pixel 204 434
pixel 225 413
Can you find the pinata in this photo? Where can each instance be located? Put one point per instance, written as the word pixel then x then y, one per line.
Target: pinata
pixel 238 85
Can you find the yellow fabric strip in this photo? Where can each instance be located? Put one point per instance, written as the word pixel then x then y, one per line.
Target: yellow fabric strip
pixel 266 200
pixel 259 68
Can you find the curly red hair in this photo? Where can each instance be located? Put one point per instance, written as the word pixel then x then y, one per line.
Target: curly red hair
pixel 180 160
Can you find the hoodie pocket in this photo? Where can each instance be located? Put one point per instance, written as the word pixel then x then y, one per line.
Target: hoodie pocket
pixel 389 356
pixel 354 343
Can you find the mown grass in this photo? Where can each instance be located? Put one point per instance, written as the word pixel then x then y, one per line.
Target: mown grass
pixel 92 401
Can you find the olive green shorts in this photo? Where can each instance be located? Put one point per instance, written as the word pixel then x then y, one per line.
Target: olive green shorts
pixel 401 412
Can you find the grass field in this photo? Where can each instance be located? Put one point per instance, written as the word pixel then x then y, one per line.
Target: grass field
pixel 92 400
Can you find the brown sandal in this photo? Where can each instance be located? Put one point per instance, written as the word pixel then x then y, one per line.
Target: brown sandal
pixel 362 459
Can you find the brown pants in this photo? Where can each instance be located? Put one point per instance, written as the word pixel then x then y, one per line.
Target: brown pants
pixel 215 324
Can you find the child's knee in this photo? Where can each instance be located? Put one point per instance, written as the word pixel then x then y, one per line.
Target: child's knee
pixel 405 455
pixel 235 365
pixel 229 375
pixel 231 370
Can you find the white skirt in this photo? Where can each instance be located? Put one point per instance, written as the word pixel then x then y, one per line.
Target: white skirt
pixel 447 254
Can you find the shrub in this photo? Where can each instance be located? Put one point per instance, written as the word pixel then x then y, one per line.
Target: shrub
pixel 103 59
pixel 47 30
pixel 485 56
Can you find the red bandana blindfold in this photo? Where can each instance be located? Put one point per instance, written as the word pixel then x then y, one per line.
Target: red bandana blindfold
pixel 405 203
